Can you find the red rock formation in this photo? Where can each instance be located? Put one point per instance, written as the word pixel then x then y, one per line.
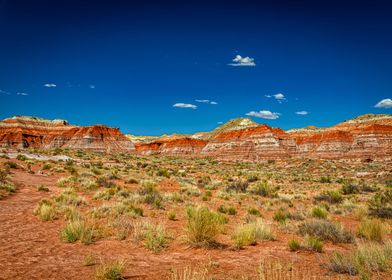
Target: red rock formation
pixel 251 144
pixel 31 132
pixel 173 147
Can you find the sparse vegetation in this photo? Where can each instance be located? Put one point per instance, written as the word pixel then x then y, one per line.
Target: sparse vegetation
pixel 251 233
pixel 326 230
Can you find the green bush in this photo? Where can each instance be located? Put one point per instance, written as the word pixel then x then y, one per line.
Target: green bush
pixel 294 245
pixel 45 211
pixel 203 226
pixel 249 234
pixel 373 230
pixel 330 196
pixel 381 204
pixel 314 244
pixel 263 189
pixel 110 271
pixel 319 212
pixel 77 230
pixel 365 260
pixel 281 216
pixel 237 186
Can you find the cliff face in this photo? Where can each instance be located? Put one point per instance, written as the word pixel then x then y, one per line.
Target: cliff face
pixel 172 147
pixel 31 132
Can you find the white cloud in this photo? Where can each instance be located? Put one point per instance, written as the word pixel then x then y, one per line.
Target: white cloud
pixel 302 113
pixel 22 93
pixel 279 96
pixel 264 114
pixel 5 92
pixel 385 103
pixel 242 61
pixel 185 105
pixel 92 86
pixel 50 85
pixel 206 101
pixel 220 122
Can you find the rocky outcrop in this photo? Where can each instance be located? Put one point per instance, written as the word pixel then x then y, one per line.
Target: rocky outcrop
pixel 251 144
pixel 172 147
pixel 365 137
pixel 32 132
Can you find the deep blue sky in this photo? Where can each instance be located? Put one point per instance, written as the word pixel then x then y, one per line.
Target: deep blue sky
pixel 332 59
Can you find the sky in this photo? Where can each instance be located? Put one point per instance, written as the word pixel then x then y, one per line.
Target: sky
pixel 155 67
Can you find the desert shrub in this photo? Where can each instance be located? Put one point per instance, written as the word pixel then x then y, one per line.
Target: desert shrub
pixel 373 230
pixel 326 230
pixel 294 245
pixel 89 184
pixel 314 244
pixel 325 179
pixel 203 226
pixel 365 260
pixel 227 210
pixel 42 188
pixel 319 212
pixel 11 164
pixel 249 234
pixel 154 237
pixel 151 195
pixel 45 211
pixel 77 230
pixel 132 181
pixel 4 172
pixel 105 182
pixel 264 189
pixel 21 157
pixel 252 178
pixel 330 196
pixel 381 204
pixel 110 271
pixel 350 187
pixel 281 216
pixel 171 215
pixel 7 187
pixel 254 211
pixel 190 190
pixel 69 197
pixel 163 173
pixel 46 166
pixel 237 185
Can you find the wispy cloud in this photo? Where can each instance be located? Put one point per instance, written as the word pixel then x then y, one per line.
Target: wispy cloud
pixel 92 86
pixel 50 85
pixel 242 61
pixel 4 92
pixel 206 101
pixel 302 113
pixel 202 100
pixel 264 114
pixel 279 97
pixel 185 105
pixel 385 103
pixel 22 93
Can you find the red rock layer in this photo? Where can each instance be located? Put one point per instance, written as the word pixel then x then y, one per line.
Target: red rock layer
pixel 251 144
pixel 173 147
pixel 30 132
